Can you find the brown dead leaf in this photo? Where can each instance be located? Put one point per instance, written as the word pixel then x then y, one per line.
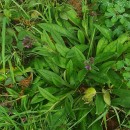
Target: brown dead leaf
pixel 26 82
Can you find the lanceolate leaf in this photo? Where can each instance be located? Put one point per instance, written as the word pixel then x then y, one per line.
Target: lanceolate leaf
pixel 123 38
pixel 77 56
pixel 102 43
pixel 81 36
pixel 69 69
pixel 53 78
pixel 45 38
pixel 81 75
pixel 115 79
pixel 81 47
pixel 57 37
pixel 121 92
pixel 72 15
pixel 62 49
pixel 103 57
pixel 43 51
pixel 106 66
pixel 59 61
pixel 98 77
pixel 39 97
pixel 111 47
pixel 51 64
pixel 47 95
pixel 105 32
pixel 124 102
pixel 68 109
pixel 56 28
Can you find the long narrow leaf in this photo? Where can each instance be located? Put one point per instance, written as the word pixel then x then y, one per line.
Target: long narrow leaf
pixel 47 95
pixel 3 42
pixel 56 28
pixel 104 31
pixel 101 116
pixel 80 119
pixel 11 71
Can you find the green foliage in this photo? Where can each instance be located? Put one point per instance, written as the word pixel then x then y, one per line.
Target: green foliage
pixel 116 15
pixel 61 69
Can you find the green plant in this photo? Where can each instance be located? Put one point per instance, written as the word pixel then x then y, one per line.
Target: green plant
pixel 115 15
pixel 61 67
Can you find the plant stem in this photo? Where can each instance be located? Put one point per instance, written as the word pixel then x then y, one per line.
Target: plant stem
pixel 91 43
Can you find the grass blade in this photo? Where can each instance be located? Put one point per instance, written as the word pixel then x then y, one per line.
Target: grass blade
pixel 101 116
pixel 80 120
pixel 3 42
pixel 11 71
pixel 21 8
